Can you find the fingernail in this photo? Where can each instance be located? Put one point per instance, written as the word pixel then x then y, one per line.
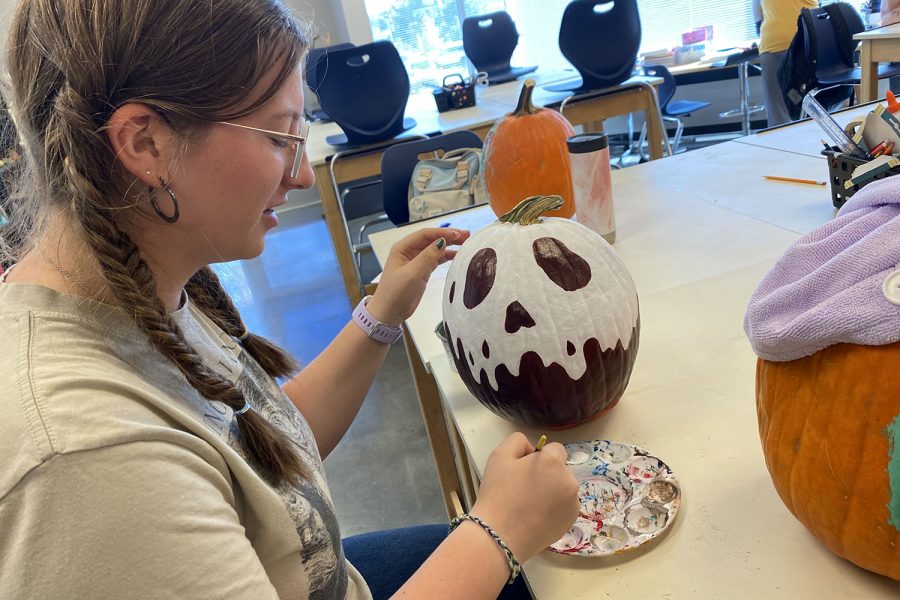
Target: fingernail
pixel 440 244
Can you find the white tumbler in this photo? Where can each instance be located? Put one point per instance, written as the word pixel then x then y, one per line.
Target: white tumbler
pixel 591 180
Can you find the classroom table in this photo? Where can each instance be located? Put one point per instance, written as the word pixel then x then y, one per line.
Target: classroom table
pixel 333 166
pixel 877 45
pixel 804 137
pixel 697 231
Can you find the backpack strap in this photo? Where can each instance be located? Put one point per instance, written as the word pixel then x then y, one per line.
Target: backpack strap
pixel 842 32
pixel 797 70
pixel 423 176
pixel 462 173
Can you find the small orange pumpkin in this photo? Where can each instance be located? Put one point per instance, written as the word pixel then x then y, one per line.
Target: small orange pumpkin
pixel 828 425
pixel 525 154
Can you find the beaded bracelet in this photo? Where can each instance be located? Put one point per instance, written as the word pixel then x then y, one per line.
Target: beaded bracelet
pixel 514 566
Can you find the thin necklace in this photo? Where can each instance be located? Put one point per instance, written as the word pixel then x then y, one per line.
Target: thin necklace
pixel 63 272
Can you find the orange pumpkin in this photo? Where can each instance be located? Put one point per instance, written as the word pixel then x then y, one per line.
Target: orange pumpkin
pixel 828 425
pixel 525 155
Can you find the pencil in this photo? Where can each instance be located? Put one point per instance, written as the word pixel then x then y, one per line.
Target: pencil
pixel 795 180
pixel 540 443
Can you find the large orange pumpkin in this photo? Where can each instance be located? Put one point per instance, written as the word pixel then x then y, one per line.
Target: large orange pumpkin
pixel 830 430
pixel 525 154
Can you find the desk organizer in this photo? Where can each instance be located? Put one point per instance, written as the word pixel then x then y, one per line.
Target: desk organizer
pixel 840 168
pixel 455 93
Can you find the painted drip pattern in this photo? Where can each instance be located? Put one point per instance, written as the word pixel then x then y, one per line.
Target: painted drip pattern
pixel 628 497
pixel 539 295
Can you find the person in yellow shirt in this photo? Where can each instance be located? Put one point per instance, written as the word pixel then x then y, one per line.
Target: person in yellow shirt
pixel 779 24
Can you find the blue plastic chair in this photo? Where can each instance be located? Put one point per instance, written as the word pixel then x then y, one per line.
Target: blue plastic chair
pixel 601 40
pixel 317 64
pixel 397 165
pixel 315 69
pixel 671 110
pixel 489 42
pixel 365 90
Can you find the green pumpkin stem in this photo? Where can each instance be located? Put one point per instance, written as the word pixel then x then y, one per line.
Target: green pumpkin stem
pixel 529 210
pixel 525 106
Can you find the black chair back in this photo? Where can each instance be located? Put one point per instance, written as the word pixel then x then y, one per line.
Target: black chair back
pixel 365 90
pixel 317 64
pixel 601 39
pixel 829 61
pixel 397 165
pixel 489 41
pixel 665 91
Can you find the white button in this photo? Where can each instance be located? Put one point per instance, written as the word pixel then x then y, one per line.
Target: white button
pixel 891 288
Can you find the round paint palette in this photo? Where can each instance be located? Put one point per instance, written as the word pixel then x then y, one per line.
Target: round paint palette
pixel 628 497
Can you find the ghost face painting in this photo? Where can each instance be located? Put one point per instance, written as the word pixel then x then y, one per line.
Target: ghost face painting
pixel 543 322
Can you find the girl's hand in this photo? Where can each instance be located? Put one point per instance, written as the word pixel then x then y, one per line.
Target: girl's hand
pixel 408 267
pixel 529 498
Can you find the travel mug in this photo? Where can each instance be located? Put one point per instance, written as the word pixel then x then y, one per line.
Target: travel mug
pixel 589 157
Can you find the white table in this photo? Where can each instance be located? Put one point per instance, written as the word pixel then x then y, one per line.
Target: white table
pixel 878 45
pixel 804 137
pixel 697 237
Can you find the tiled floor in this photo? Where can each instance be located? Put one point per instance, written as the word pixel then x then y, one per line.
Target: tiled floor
pixel 381 475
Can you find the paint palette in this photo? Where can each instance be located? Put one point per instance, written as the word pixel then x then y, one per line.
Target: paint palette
pixel 628 497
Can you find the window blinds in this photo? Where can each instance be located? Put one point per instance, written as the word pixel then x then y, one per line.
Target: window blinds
pixel 428 33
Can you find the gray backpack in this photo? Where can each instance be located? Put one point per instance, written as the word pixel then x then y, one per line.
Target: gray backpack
pixel 440 185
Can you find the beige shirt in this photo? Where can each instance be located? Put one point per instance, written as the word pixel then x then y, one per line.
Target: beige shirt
pixel 780 23
pixel 119 481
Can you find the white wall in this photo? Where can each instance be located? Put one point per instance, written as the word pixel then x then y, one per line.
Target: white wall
pixel 335 21
pixel 327 28
pixel 354 15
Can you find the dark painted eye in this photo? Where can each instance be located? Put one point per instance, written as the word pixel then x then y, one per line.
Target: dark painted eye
pixel 564 267
pixel 452 291
pixel 485 349
pixel 570 348
pixel 517 317
pixel 480 277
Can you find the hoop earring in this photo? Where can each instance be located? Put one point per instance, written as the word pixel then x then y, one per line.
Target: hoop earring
pixel 167 218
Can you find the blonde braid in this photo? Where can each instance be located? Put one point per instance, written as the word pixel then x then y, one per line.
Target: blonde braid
pixel 206 291
pixel 134 288
pixel 72 64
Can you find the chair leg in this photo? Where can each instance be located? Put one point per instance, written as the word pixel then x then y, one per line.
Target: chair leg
pixel 679 129
pixel 627 152
pixel 641 140
pixel 365 246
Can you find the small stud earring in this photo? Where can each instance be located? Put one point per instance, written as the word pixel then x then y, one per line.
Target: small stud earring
pixel 148 172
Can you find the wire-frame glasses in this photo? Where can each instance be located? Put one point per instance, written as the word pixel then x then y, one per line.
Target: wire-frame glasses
pixel 297 143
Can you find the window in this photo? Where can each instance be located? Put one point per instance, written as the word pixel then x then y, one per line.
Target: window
pixel 428 33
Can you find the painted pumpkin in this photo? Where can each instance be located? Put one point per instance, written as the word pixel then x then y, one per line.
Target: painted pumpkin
pixel 525 154
pixel 542 317
pixel 830 430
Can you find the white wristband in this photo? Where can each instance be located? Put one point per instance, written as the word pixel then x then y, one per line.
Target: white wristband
pixel 375 329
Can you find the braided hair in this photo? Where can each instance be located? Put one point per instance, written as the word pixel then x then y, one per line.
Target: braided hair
pixel 72 64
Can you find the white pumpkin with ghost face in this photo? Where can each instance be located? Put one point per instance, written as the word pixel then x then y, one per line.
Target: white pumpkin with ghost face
pixel 542 318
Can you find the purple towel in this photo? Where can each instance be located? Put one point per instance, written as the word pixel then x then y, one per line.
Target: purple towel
pixel 827 288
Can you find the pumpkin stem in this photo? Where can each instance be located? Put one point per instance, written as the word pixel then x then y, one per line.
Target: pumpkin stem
pixel 529 210
pixel 525 106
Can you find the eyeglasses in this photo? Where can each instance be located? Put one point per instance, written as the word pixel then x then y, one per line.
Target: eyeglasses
pixel 297 143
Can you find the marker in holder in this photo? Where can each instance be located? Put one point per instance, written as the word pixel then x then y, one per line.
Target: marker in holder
pixel 834 131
